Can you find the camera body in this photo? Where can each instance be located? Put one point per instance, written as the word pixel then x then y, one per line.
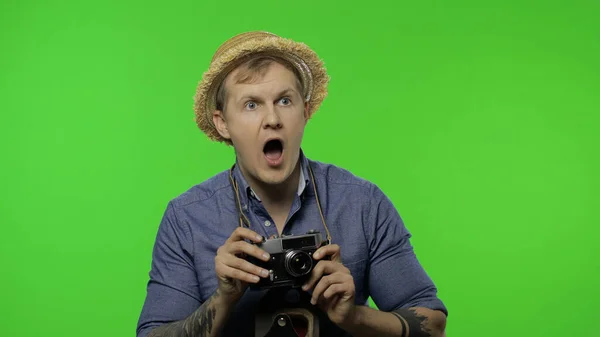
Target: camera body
pixel 291 260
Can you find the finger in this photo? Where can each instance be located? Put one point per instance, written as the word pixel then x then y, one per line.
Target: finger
pixel 229 272
pixel 322 268
pixel 248 249
pixel 337 290
pixel 332 250
pixel 324 284
pixel 242 233
pixel 243 265
pixel 327 305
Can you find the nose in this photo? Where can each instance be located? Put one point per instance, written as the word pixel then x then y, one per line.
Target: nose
pixel 272 119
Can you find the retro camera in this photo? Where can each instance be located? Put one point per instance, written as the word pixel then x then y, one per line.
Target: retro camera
pixel 291 260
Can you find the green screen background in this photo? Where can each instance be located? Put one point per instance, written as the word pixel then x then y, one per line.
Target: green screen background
pixel 479 119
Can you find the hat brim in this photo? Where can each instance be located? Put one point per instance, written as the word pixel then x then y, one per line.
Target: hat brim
pixel 314 76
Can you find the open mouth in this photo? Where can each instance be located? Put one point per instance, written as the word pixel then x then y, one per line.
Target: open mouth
pixel 273 149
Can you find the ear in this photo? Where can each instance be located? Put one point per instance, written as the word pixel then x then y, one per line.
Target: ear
pixel 221 124
pixel 306 116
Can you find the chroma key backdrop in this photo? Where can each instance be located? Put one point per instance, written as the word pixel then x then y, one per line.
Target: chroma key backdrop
pixel 479 119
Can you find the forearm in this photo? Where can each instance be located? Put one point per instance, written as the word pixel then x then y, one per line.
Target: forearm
pixel 207 320
pixel 412 322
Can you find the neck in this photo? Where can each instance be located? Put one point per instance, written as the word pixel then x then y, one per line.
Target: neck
pixel 277 197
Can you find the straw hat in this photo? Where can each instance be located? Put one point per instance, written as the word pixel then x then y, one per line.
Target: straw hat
pixel 240 48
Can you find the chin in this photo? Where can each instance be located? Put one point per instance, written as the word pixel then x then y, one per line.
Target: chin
pixel 274 178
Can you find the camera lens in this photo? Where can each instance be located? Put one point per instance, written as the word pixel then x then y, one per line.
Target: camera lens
pixel 298 263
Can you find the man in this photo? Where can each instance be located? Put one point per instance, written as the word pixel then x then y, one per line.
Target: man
pixel 257 96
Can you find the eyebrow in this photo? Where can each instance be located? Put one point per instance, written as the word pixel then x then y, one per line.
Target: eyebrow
pixel 256 98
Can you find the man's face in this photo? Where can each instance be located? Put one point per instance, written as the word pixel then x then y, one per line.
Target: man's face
pixel 265 121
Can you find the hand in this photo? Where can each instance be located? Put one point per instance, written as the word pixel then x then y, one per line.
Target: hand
pixel 233 271
pixel 334 292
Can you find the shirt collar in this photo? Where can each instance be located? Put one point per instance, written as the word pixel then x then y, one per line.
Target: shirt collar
pixel 244 186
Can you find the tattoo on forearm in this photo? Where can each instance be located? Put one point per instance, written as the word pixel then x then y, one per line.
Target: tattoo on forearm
pixel 417 323
pixel 199 324
pixel 403 322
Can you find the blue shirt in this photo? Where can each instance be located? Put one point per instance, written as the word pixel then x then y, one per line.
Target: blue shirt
pixel 375 246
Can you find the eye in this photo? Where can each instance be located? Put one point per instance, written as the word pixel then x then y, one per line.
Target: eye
pixel 285 101
pixel 251 105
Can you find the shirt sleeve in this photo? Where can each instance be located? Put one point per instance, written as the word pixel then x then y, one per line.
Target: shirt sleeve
pixel 396 278
pixel 172 291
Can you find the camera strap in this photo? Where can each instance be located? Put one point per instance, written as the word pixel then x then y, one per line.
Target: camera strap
pixel 244 219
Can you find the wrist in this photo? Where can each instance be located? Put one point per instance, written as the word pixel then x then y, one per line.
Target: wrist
pixel 229 300
pixel 353 319
pixel 226 299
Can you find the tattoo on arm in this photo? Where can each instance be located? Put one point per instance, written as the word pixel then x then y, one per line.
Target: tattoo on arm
pixel 417 323
pixel 199 324
pixel 403 322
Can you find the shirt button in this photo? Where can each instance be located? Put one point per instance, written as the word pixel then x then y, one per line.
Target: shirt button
pixel 245 207
pixel 268 223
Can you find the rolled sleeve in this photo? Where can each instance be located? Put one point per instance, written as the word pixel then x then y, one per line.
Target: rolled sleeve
pixel 172 291
pixel 396 278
